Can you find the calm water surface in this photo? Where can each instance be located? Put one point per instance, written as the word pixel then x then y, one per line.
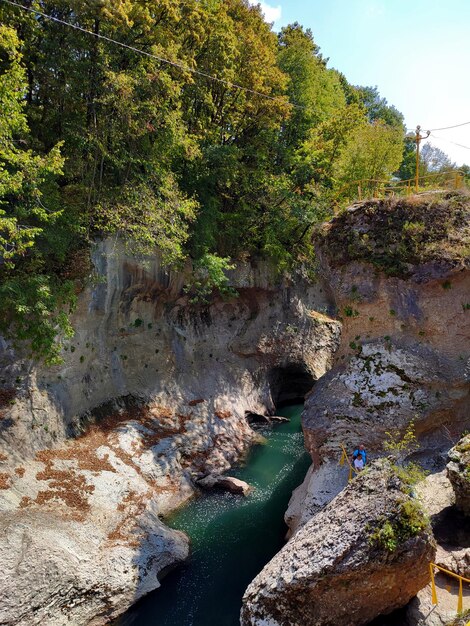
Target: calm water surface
pixel 232 537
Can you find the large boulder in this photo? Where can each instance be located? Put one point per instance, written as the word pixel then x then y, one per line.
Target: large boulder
pixel 458 472
pixel 376 390
pixel 225 483
pixel 366 553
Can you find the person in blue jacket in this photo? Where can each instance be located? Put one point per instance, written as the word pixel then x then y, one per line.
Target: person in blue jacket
pixel 360 451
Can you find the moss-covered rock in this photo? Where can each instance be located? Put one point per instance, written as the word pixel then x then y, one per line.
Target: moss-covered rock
pixel 396 235
pixel 337 570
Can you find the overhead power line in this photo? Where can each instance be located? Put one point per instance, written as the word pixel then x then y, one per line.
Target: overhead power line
pixel 454 142
pixel 431 130
pixel 448 127
pixel 180 66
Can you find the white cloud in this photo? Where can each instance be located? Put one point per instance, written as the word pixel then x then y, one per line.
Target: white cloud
pixel 271 14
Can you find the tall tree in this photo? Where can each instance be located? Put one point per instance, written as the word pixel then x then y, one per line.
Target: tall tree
pixel 31 297
pixel 377 107
pixel 372 153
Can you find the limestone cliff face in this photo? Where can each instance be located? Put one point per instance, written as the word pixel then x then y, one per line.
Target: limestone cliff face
pixel 336 570
pixel 156 390
pixel 400 276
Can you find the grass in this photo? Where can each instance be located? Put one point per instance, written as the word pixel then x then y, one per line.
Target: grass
pixel 461 619
pixel 409 519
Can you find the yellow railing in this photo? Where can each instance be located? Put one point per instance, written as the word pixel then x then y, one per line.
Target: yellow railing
pixel 461 580
pixel 376 188
pixel 344 457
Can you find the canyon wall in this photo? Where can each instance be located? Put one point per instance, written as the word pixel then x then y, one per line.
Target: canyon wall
pixel 152 395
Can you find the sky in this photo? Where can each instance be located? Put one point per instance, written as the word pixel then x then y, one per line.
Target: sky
pixel 417 52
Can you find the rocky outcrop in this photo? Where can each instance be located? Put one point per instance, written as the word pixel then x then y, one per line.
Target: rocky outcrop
pixel 458 472
pixel 225 483
pixel 405 343
pixel 379 388
pixel 152 395
pixel 452 534
pixel 59 571
pixel 364 554
pixel 81 537
pixel 399 273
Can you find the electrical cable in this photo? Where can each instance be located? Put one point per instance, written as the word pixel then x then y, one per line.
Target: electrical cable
pixel 180 66
pixel 454 126
pixel 449 141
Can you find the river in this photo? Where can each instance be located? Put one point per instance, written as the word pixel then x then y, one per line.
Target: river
pixel 232 537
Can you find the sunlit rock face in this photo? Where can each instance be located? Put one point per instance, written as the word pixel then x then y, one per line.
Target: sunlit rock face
pixel 152 396
pixel 399 273
pixel 458 472
pixel 336 571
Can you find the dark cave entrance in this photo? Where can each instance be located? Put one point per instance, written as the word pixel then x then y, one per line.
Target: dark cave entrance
pixel 289 383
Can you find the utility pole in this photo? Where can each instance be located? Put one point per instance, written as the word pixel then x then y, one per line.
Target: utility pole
pixel 417 139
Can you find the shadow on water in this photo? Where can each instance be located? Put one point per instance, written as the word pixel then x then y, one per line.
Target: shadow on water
pixel 232 537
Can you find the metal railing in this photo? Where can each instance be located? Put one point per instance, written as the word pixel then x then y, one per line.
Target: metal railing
pixel 376 188
pixel 344 458
pixel 461 580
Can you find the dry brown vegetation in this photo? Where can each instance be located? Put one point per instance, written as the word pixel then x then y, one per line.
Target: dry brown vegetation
pixel 5 480
pixel 397 234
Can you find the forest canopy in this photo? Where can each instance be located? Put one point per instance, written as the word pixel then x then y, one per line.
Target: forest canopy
pixel 97 138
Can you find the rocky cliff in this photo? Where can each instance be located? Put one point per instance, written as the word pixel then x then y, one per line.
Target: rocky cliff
pixel 458 472
pixel 365 553
pixel 151 396
pixel 399 274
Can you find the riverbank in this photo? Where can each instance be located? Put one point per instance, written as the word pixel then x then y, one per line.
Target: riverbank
pixel 232 538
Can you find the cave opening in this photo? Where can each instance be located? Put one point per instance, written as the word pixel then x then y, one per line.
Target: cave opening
pixel 289 383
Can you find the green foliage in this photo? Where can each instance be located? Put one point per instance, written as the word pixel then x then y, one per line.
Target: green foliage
pixel 149 215
pixel 33 300
pixel 210 274
pixel 397 234
pixel 460 620
pixel 101 140
pixel 408 521
pixel 410 474
pixel 350 312
pixel 372 153
pixel 34 310
pixel 377 108
pixel 401 444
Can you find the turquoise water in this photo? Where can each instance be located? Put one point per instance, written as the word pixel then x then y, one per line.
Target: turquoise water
pixel 232 537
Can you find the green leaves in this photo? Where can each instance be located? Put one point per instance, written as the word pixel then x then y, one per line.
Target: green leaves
pixel 34 310
pixel 151 214
pixel 122 142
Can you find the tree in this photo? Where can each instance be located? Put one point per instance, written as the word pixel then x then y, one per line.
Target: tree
pixel 407 168
pixel 31 300
pixel 326 142
pixel 433 159
pixel 184 154
pixel 377 108
pixel 372 153
pixel 317 92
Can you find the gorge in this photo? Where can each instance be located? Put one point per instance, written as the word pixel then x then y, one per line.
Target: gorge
pixel 154 392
